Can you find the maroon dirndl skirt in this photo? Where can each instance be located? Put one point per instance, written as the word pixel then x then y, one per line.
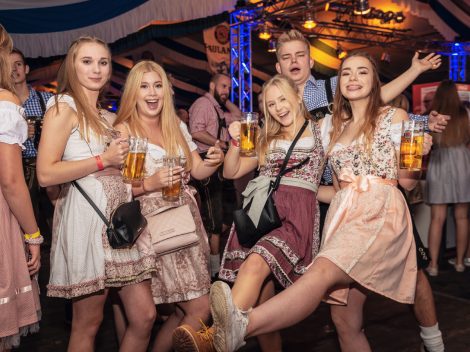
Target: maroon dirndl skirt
pixel 289 249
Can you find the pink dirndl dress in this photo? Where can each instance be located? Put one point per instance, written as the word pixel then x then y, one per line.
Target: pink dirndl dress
pixel 368 232
pixel 287 250
pixel 19 293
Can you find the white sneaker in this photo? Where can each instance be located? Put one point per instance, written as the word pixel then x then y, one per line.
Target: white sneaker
pixel 466 261
pixel 230 322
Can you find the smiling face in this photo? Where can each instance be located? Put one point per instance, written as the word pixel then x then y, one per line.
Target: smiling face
pixel 150 95
pixel 282 106
pixel 92 65
pixel 294 61
pixel 356 78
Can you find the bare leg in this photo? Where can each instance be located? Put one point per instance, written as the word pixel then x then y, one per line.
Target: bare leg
pixel 269 342
pixel 87 317
pixel 349 322
pixel 461 222
pixel 438 216
pixel 120 322
pixel 140 312
pixel 297 301
pixel 163 339
pixel 424 307
pixel 251 276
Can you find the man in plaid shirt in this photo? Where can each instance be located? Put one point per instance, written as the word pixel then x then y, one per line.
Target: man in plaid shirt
pixel 34 103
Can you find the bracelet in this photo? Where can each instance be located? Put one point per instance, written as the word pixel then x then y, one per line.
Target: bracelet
pixel 99 163
pixel 32 236
pixel 235 143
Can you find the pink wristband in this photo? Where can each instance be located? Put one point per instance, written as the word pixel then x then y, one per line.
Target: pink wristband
pixel 99 163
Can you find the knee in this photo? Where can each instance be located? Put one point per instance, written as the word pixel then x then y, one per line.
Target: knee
pixel 345 325
pixel 254 265
pixel 144 319
pixel 88 323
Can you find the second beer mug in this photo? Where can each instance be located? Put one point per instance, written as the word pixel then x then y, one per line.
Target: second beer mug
pixel 248 133
pixel 172 192
pixel 134 165
pixel 411 147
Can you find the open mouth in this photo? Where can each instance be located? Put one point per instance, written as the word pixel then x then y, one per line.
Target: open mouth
pixel 152 104
pixel 294 70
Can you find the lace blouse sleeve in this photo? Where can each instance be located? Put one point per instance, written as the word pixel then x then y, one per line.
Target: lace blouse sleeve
pixel 395 134
pixel 187 136
pixel 13 126
pixel 62 98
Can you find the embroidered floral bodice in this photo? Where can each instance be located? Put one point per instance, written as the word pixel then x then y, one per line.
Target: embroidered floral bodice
pixel 305 147
pixel 379 161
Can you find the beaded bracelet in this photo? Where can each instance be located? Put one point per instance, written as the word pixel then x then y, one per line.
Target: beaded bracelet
pixel 33 238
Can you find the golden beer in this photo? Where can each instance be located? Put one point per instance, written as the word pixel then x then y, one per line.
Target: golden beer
pixel 134 167
pixel 411 152
pixel 248 134
pixel 172 192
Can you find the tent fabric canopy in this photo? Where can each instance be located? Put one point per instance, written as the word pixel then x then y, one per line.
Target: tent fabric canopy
pixel 48 30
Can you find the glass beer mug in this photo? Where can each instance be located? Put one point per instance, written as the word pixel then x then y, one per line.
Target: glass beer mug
pixel 134 166
pixel 411 146
pixel 248 133
pixel 172 192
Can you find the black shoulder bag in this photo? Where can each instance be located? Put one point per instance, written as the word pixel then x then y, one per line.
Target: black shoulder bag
pixel 126 222
pixel 248 234
pixel 319 113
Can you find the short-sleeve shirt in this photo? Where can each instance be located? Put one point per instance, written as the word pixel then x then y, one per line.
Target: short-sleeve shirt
pixel 13 128
pixel 204 115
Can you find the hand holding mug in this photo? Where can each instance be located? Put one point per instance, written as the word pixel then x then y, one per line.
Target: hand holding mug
pixel 214 156
pixel 116 153
pixel 234 130
pixel 427 143
pixel 164 177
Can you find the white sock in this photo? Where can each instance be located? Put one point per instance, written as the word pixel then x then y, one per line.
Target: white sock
pixel 215 264
pixel 432 338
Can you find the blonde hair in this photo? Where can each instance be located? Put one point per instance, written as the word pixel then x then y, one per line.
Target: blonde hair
pixel 290 36
pixel 446 101
pixel 272 128
pixel 173 138
pixel 342 112
pixel 89 120
pixel 6 46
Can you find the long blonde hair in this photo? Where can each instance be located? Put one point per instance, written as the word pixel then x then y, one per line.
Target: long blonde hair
pixel 446 101
pixel 272 128
pixel 173 138
pixel 6 46
pixel 89 120
pixel 342 112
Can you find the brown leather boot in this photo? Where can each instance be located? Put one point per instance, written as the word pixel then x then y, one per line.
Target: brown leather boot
pixel 186 339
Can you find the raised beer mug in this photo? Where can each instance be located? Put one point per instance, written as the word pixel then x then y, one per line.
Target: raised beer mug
pixel 134 166
pixel 248 133
pixel 172 192
pixel 411 146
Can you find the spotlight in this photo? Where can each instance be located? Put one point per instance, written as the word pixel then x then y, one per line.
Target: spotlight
pixel 388 16
pixel 309 22
pixel 361 7
pixel 265 33
pixel 272 45
pixel 340 53
pixel 399 17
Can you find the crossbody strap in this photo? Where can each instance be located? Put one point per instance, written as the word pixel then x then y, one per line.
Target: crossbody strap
pixel 286 159
pixel 100 214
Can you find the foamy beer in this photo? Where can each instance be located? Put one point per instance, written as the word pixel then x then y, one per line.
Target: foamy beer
pixel 411 147
pixel 248 133
pixel 134 166
pixel 173 190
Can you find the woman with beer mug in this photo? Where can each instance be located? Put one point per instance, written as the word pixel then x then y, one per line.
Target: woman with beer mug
pixel 77 144
pixel 147 111
pixel 367 242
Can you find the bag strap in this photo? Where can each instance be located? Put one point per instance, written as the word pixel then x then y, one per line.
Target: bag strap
pixel 100 214
pixel 282 170
pixel 221 122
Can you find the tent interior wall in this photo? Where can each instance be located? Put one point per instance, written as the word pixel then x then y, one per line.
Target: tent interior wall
pixel 178 45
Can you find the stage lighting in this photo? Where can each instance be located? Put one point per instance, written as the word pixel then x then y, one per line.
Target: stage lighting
pixel 399 17
pixel 361 7
pixel 309 22
pixel 265 33
pixel 340 53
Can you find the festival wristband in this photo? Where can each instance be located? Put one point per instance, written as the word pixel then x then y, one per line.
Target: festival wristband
pixel 235 142
pixel 32 236
pixel 99 163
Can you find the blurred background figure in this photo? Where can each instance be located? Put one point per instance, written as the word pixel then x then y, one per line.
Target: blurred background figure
pixel 448 175
pixel 183 115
